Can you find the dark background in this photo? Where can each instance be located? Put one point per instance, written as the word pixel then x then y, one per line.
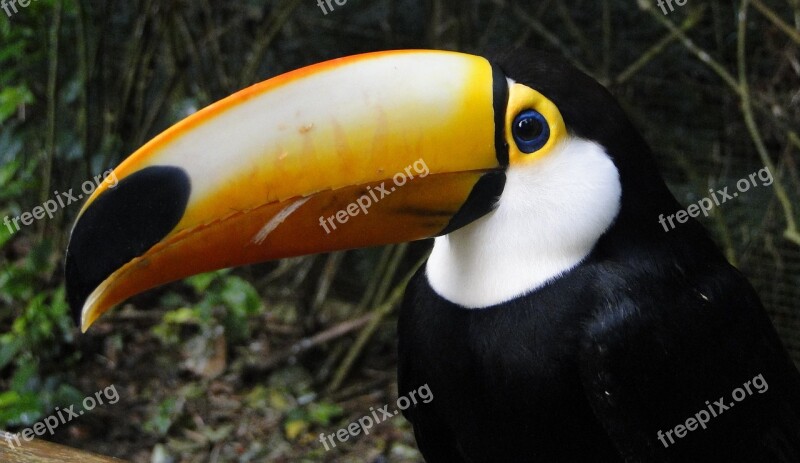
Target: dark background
pixel 205 368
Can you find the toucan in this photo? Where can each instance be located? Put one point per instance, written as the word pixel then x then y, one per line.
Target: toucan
pixel 556 319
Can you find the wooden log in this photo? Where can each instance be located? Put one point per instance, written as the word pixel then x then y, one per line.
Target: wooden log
pixel 39 451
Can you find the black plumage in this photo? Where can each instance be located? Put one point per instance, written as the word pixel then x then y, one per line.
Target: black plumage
pixel 633 341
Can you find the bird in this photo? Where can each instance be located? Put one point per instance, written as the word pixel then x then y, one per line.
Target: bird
pixel 555 320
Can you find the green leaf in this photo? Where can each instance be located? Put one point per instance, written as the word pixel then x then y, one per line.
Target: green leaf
pixel 200 283
pixel 323 413
pixel 5 235
pixel 10 345
pixel 12 98
pixel 12 50
pixel 241 296
pixel 20 408
pixel 26 376
pixel 167 412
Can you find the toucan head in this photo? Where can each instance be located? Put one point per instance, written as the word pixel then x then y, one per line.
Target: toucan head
pixel 498 159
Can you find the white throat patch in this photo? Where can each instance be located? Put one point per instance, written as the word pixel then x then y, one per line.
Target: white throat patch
pixel 548 219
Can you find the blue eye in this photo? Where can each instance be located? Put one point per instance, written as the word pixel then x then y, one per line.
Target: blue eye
pixel 530 131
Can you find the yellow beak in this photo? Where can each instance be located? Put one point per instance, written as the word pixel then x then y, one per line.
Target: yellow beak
pixel 368 150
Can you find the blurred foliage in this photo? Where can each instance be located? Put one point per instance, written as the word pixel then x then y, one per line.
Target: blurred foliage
pixel 39 338
pixel 236 298
pixel 203 363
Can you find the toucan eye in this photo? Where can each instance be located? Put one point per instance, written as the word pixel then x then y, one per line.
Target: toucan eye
pixel 530 131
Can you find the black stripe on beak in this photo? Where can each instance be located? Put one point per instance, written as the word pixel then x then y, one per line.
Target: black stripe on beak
pixel 500 101
pixel 485 194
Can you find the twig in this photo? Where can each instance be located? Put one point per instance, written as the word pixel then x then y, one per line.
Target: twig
pixel 605 70
pixel 139 97
pixel 716 215
pixel 391 271
pixel 372 286
pixel 790 162
pixel 132 65
pixel 791 233
pixel 273 27
pixel 701 54
pixel 539 28
pixel 85 79
pixel 695 16
pixel 794 139
pixel 214 47
pixel 52 81
pixel 741 88
pixel 326 279
pixel 309 343
pixel 380 313
pixel 779 23
pixel 573 28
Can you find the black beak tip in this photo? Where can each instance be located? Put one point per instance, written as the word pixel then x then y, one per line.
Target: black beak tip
pixel 77 290
pixel 120 225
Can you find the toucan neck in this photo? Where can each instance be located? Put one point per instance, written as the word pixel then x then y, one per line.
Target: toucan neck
pixel 547 221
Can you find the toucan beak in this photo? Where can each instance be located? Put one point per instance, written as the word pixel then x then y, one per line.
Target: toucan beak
pixel 368 150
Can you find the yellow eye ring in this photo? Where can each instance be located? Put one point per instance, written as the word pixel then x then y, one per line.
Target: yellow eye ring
pixel 524 103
